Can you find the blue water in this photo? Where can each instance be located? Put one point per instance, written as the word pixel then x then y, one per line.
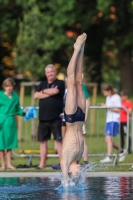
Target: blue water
pixel 110 188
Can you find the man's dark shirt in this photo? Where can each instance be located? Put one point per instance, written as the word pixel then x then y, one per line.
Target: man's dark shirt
pixel 51 107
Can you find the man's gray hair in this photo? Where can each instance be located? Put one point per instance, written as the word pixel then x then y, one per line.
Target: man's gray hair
pixel 50 66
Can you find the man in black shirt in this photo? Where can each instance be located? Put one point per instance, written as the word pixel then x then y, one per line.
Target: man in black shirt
pixel 50 94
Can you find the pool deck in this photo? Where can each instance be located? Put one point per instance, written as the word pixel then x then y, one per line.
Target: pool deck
pixel 58 174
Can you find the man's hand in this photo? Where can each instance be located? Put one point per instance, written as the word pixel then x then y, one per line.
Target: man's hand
pixel 40 95
pixel 46 93
pixel 51 91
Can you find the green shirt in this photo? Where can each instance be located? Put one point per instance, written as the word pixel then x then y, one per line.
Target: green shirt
pixel 85 90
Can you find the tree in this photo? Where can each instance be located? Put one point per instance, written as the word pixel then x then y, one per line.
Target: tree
pixel 9 12
pixel 48 29
pixel 118 23
pixel 40 35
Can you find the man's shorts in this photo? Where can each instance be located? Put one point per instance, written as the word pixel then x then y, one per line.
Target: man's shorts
pixel 45 129
pixel 111 129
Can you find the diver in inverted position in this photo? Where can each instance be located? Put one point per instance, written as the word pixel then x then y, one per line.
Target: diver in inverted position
pixel 73 143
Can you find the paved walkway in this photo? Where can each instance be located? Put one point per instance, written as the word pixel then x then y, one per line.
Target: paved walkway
pixel 56 174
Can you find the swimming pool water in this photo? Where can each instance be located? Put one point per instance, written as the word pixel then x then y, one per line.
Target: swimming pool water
pixel 97 188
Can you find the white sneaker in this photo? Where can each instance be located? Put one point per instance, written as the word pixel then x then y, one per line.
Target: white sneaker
pixel 106 160
pixel 123 155
pixel 131 168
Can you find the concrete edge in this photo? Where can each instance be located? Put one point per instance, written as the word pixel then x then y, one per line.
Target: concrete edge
pixel 58 174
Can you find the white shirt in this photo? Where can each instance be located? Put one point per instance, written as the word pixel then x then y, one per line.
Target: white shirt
pixel 113 101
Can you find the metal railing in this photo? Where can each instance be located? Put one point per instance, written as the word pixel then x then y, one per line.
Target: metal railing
pixel 95 126
pixel 29 146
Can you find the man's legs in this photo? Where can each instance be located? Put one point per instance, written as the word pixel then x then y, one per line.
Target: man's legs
pixel 55 128
pixel 59 148
pixel 43 137
pixel 43 154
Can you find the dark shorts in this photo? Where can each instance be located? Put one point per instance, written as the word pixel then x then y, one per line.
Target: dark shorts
pixel 123 128
pixel 78 116
pixel 45 129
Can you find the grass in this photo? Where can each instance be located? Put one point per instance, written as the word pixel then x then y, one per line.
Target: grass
pixel 94 141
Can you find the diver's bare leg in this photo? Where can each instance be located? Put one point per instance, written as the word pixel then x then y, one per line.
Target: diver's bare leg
pixel 80 95
pixel 71 108
pixel 79 81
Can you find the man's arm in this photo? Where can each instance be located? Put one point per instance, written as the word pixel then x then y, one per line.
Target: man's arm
pixel 40 95
pixel 51 91
pixel 46 93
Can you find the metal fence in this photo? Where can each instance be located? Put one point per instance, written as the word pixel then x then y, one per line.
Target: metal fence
pixel 96 126
pixel 29 146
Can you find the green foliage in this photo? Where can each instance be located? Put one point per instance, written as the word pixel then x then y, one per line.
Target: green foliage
pixel 110 63
pixel 38 30
pixel 103 6
pixel 40 35
pixel 9 11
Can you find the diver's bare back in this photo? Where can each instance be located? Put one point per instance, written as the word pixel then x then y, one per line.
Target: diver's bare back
pixel 73 138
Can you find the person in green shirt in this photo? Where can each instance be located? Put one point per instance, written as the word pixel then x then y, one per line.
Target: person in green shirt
pixel 9 108
pixel 87 99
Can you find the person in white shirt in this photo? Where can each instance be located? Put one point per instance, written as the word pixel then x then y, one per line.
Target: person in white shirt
pixel 112 122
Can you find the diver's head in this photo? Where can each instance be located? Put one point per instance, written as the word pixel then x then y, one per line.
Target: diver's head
pixel 74 171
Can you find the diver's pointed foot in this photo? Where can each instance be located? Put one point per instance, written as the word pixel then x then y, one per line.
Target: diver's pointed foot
pixel 80 41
